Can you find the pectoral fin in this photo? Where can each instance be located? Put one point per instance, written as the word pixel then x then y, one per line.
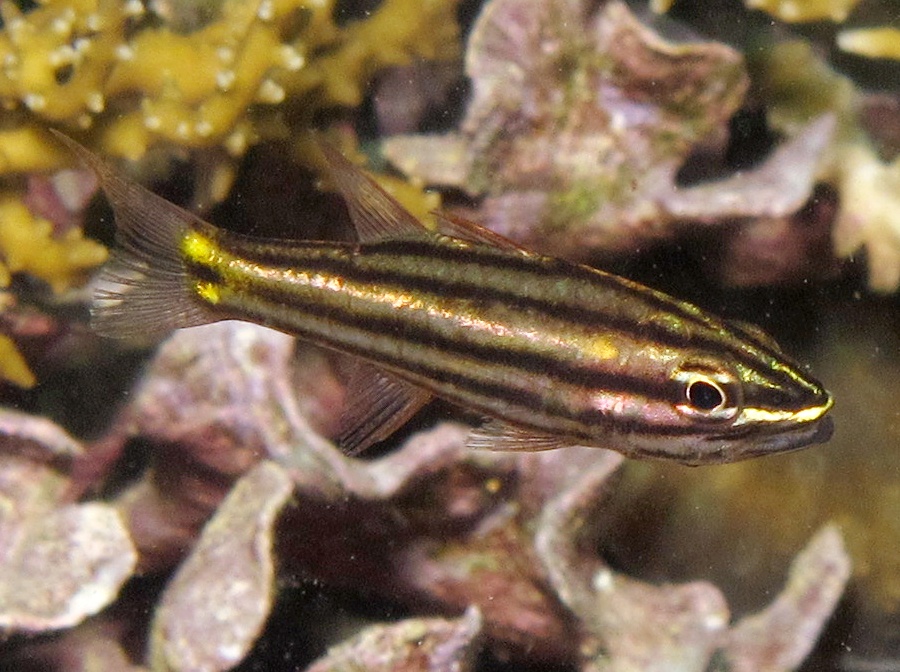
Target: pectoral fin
pixel 378 405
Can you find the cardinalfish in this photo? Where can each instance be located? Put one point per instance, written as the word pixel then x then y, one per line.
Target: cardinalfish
pixel 551 353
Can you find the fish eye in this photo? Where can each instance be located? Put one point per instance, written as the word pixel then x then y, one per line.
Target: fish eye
pixel 705 395
pixel 706 392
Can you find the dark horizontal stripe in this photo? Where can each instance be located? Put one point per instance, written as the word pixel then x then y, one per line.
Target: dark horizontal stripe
pixel 550 267
pixel 302 256
pixel 531 362
pixel 203 272
pixel 295 253
pixel 292 253
pixel 577 313
pixel 533 402
pixel 528 361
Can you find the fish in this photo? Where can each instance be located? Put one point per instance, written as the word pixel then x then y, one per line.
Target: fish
pixel 549 352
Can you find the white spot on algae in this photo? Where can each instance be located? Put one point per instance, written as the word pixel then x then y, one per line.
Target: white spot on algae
pixel 225 79
pixel 95 102
pixel 603 580
pixel 271 92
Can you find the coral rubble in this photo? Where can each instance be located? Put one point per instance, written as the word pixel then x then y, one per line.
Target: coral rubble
pixel 433 525
pixel 433 644
pixel 232 560
pixel 61 561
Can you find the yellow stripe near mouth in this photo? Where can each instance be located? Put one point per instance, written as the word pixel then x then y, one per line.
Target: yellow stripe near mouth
pixel 760 415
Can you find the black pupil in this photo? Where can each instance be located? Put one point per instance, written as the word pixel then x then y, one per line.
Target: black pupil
pixel 704 396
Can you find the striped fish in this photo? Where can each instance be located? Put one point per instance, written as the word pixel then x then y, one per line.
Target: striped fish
pixel 552 353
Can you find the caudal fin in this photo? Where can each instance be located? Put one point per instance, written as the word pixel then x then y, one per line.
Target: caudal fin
pixel 144 290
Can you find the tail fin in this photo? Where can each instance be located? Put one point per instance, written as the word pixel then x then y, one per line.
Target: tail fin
pixel 144 290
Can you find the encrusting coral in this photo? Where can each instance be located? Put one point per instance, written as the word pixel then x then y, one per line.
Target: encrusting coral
pixel 126 80
pixel 62 562
pixel 798 86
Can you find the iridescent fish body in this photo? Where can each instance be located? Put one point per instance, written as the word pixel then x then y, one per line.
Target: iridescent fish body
pixel 552 353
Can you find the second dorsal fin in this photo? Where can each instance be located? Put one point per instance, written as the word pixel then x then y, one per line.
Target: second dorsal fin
pixel 465 229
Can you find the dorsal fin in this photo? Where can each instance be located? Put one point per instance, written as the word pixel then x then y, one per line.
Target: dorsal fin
pixel 376 214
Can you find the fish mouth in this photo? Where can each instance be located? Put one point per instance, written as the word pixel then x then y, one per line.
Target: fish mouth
pixel 803 436
pixel 753 444
pixel 824 431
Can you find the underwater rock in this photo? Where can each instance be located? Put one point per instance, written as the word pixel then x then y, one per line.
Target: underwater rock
pixel 779 187
pixel 782 223
pixel 414 645
pixel 782 635
pixel 578 127
pixel 433 526
pixel 92 647
pixel 436 526
pixel 215 401
pixel 214 608
pixel 626 624
pixel 630 624
pixel 405 96
pixel 61 562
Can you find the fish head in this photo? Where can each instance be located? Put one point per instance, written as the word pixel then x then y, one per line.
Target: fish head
pixel 760 404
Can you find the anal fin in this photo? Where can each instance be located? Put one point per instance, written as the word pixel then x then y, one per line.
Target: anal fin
pixel 378 405
pixel 501 436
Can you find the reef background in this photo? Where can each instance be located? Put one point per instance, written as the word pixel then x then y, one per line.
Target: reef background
pixel 180 506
